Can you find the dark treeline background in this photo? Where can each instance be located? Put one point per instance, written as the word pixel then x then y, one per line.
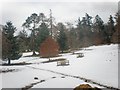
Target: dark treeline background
pixel 87 31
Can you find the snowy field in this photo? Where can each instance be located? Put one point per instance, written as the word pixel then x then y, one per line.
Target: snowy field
pixel 99 64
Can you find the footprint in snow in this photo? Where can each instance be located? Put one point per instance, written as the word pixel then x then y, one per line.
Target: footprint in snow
pixel 62 77
pixel 42 81
pixel 53 77
pixel 36 78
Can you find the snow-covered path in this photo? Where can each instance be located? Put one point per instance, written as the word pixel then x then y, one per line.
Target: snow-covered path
pixel 81 80
pixel 99 64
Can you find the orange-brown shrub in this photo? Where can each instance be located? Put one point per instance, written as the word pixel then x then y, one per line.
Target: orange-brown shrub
pixel 49 48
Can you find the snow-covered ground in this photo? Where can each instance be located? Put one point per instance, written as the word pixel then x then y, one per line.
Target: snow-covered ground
pixel 99 64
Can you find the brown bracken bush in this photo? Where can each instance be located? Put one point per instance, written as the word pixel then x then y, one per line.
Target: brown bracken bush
pixel 85 87
pixel 49 48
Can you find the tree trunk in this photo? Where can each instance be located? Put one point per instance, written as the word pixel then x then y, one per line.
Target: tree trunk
pixel 33 40
pixel 34 53
pixel 49 58
pixel 9 61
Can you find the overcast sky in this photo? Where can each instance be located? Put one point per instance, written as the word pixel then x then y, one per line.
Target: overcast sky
pixel 17 12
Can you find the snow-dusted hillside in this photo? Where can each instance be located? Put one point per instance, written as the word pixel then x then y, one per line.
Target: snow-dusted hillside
pixel 99 64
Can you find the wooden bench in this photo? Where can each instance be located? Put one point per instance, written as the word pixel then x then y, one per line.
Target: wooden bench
pixel 80 55
pixel 63 62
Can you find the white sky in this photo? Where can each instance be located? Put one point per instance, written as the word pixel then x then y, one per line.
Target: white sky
pixel 63 10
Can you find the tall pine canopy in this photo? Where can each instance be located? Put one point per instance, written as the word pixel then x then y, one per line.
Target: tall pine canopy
pixel 62 38
pixel 12 43
pixel 42 34
pixel 30 24
pixel 111 27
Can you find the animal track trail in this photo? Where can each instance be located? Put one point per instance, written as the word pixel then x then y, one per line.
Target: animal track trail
pixel 77 77
pixel 35 83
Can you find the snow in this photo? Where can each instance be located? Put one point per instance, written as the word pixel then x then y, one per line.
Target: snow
pixel 23 78
pixel 29 53
pixel 66 82
pixel 100 64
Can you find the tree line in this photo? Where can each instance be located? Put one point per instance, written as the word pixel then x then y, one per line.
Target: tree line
pixel 87 32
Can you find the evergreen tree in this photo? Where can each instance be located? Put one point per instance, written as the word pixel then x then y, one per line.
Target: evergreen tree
pixel 98 24
pixel 42 34
pixel 23 41
pixel 12 42
pixel 31 23
pixel 80 30
pixel 116 34
pixel 35 23
pixel 88 19
pixel 72 39
pixel 99 32
pixel 0 43
pixel 111 28
pixel 5 46
pixel 62 39
pixel 85 30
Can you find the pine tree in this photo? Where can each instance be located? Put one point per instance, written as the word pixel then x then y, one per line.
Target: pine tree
pixel 72 38
pixel 80 30
pixel 98 24
pixel 116 34
pixel 111 28
pixel 86 31
pixel 62 38
pixel 31 24
pixel 5 46
pixel 11 41
pixel 99 32
pixel 23 40
pixel 88 19
pixel 42 34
